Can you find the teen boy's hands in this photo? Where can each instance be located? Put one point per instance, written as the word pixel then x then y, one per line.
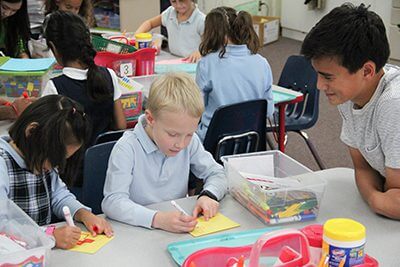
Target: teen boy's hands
pixel 207 206
pixel 174 221
pixel 95 224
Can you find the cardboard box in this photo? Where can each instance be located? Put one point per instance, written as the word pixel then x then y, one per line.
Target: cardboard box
pixel 267 28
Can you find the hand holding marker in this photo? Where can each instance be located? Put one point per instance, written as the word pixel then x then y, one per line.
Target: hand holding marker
pixel 179 208
pixel 68 217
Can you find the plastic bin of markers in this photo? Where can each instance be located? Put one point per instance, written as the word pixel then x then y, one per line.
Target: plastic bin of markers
pixel 249 184
pixel 30 245
pixel 13 83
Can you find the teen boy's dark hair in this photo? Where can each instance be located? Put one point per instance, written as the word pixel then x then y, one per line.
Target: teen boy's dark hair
pixel 351 34
pixel 58 122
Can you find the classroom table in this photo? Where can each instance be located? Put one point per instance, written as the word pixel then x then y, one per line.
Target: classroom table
pixel 4 126
pixel 290 97
pixel 136 246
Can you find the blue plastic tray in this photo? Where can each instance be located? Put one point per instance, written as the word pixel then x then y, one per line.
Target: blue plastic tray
pixel 182 249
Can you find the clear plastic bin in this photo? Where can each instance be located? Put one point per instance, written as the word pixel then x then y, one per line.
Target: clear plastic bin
pixel 274 187
pixel 16 223
pixel 13 84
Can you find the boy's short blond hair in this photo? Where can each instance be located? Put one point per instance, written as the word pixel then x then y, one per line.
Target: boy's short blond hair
pixel 176 92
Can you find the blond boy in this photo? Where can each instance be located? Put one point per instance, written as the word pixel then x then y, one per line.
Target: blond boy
pixel 152 163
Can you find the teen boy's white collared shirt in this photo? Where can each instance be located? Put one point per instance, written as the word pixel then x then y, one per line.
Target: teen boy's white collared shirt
pixel 140 174
pixel 78 74
pixel 183 37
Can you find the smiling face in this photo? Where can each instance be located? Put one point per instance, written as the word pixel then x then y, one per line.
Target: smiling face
pixel 339 85
pixel 69 5
pixel 182 7
pixel 171 131
pixel 8 9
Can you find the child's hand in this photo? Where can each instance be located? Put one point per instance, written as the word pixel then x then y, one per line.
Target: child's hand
pixel 94 224
pixel 66 236
pixel 207 206
pixel 194 57
pixel 174 221
pixel 21 104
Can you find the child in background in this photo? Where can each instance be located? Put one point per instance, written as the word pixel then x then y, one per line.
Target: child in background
pixel 151 163
pixel 96 88
pixel 82 8
pixel 231 71
pixel 349 50
pixel 48 132
pixel 14 28
pixel 185 25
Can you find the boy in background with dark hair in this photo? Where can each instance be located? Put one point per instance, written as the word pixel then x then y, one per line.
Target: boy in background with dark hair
pixel 349 50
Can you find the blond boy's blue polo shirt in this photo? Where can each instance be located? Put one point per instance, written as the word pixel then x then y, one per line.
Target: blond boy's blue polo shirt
pixel 183 37
pixel 140 174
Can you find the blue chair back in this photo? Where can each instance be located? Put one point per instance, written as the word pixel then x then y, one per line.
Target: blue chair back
pixel 237 128
pixel 94 175
pixel 299 75
pixel 110 136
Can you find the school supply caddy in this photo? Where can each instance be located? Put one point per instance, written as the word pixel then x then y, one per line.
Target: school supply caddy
pixel 22 242
pixel 19 75
pixel 274 187
pixel 137 63
pixel 283 248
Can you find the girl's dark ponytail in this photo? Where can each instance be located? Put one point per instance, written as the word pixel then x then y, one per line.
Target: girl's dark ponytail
pixel 69 35
pixel 216 29
pixel 224 22
pixel 242 31
pixel 97 84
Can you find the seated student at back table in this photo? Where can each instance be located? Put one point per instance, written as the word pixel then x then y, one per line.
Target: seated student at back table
pixel 49 131
pixel 231 71
pixel 14 28
pixel 349 50
pixel 82 8
pixel 185 25
pixel 95 88
pixel 151 163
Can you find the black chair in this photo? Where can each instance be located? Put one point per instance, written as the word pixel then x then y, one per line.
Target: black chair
pixel 237 128
pixel 299 75
pixel 94 173
pixel 110 136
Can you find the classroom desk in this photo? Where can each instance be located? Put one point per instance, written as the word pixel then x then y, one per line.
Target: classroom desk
pixel 136 246
pixel 291 98
pixel 4 126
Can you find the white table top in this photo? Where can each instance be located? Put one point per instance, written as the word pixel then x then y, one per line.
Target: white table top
pixel 4 126
pixel 136 246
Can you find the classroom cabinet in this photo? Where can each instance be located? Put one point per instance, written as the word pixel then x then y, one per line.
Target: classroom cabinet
pixel 126 14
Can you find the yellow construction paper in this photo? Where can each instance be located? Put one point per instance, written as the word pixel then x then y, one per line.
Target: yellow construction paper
pixel 90 244
pixel 217 223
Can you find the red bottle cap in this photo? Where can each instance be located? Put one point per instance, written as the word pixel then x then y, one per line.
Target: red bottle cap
pixel 313 233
